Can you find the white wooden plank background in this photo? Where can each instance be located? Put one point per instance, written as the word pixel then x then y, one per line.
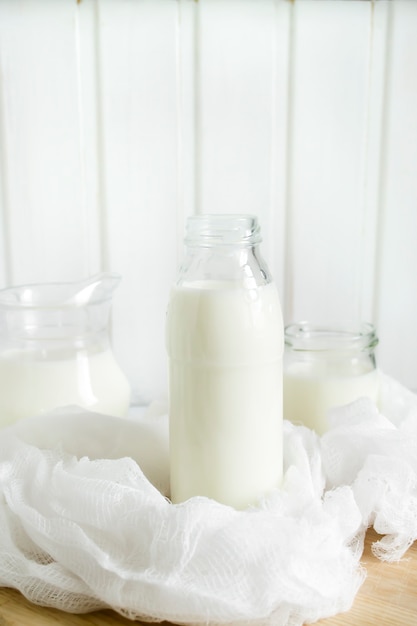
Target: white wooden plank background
pixel 330 73
pixel 118 118
pixel 48 219
pixel 396 289
pixel 137 57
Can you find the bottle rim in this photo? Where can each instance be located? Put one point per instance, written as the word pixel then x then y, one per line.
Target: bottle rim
pixel 310 337
pixel 222 229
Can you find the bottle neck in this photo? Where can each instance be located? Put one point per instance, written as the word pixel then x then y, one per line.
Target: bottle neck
pixel 229 265
pixel 223 250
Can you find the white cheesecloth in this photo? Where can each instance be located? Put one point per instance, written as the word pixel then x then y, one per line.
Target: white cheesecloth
pixel 85 523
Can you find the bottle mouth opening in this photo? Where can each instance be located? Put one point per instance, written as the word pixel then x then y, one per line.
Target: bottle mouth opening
pixel 309 337
pixel 222 230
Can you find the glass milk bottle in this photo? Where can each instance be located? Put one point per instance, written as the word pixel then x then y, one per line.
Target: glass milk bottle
pixel 225 344
pixel 55 349
pixel 325 367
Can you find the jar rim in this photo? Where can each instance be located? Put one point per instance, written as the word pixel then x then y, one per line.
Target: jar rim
pixel 311 337
pixel 224 229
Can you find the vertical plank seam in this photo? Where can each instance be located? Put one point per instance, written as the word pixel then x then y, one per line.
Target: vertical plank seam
pixel 101 191
pixel 179 79
pixel 198 136
pixel 186 168
pixel 273 208
pixel 288 219
pixel 370 201
pixel 366 209
pixel 383 165
pixel 186 131
pixel 81 129
pixel 5 192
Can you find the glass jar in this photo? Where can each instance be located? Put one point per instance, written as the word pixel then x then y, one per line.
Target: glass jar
pixel 55 349
pixel 325 367
pixel 225 345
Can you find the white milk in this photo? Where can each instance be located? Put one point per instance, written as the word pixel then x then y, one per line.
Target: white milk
pixel 31 385
pixel 311 390
pixel 225 345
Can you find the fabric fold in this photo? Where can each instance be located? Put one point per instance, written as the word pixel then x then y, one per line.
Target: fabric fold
pixel 87 524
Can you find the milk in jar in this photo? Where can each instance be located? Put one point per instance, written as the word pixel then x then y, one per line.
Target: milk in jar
pixel 327 367
pixel 225 345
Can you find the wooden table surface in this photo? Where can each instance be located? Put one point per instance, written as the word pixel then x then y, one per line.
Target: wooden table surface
pixel 388 597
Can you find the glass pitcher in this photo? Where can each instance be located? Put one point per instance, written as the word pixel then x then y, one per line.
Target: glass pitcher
pixel 55 349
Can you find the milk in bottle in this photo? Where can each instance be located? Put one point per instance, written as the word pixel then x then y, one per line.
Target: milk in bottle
pixel 225 345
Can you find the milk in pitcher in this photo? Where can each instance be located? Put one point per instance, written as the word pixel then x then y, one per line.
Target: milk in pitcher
pixel 55 349
pixel 31 384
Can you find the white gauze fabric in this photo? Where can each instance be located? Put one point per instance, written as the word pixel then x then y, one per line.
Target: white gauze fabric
pixel 86 523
